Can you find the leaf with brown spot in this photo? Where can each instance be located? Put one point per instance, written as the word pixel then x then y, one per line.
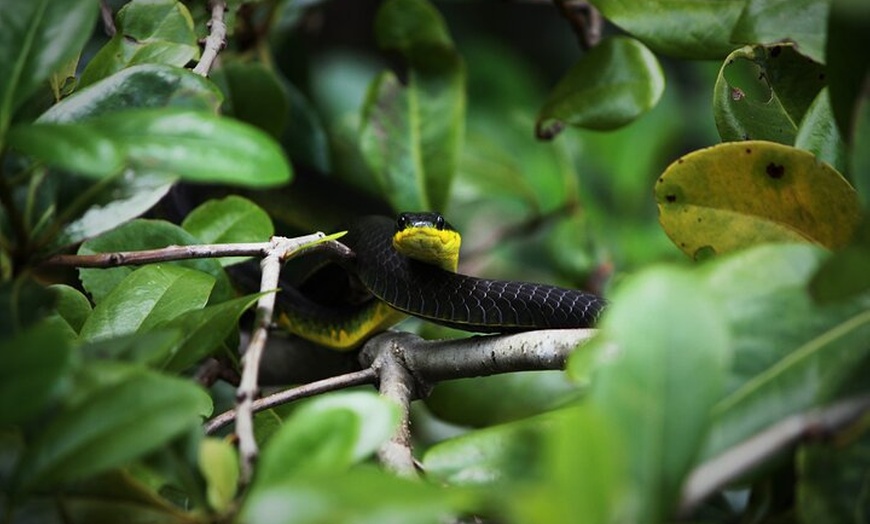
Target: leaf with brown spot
pixel 739 194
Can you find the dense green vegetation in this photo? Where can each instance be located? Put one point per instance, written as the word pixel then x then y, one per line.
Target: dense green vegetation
pixel 705 165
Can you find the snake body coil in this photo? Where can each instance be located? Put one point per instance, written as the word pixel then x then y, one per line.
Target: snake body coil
pixel 461 301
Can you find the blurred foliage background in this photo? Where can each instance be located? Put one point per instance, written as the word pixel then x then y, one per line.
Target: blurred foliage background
pixel 705 165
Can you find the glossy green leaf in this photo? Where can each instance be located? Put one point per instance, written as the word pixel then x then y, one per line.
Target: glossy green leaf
pixel 608 87
pixel 229 220
pixel 115 424
pixel 848 65
pixel 148 31
pixel 808 376
pixel 71 148
pixel 219 465
pixel 36 37
pixel 512 452
pixel 99 207
pixel 306 140
pixel 138 235
pixel 484 401
pixel 362 495
pixel 789 352
pixel 146 297
pixel 766 304
pixel 661 338
pixel 197 146
pixel 680 28
pixel 136 87
pixel 772 21
pixel 818 134
pixel 71 305
pixel 203 330
pixel 411 134
pixel 844 274
pixel 34 363
pixel 255 95
pixel 738 194
pixel 762 93
pixel 326 436
pixel 152 349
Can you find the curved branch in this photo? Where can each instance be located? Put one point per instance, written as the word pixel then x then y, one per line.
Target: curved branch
pixel 742 458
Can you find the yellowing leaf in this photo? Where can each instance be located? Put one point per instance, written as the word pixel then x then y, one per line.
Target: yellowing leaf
pixel 739 194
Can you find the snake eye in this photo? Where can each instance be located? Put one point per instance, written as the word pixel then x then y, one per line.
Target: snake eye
pixel 402 222
pixel 439 222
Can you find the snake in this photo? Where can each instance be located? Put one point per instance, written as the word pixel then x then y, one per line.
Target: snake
pixel 407 266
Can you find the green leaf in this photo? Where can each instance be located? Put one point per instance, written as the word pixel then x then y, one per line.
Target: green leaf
pixel 362 495
pixel 148 31
pixel 196 146
pixel 484 401
pixel 139 86
pixel 773 21
pixel 37 37
pixel 507 453
pixel 738 194
pixel 680 28
pixel 808 376
pixel 326 436
pixel 203 331
pixel 411 135
pixel 146 297
pixel 662 338
pixel 98 207
pixel 255 95
pixel 219 465
pixel 848 31
pixel 581 441
pixel 71 305
pixel 152 349
pixel 139 235
pixel 819 135
pixel 762 93
pixel 608 87
pixel 789 352
pixel 34 363
pixel 229 220
pixel 116 423
pixel 72 148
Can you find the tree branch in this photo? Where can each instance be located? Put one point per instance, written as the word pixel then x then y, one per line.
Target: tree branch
pixel 280 250
pixel 357 378
pixel 216 39
pixel 741 459
pixel 408 365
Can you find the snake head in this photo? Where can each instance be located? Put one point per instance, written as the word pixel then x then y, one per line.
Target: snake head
pixel 429 238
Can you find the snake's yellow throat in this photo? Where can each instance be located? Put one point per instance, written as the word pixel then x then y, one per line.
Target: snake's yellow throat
pixel 429 244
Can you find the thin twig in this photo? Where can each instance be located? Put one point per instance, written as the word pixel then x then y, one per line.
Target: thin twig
pixel 585 20
pixel 108 20
pixel 281 249
pixel 356 378
pixel 741 459
pixel 164 254
pixel 216 39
